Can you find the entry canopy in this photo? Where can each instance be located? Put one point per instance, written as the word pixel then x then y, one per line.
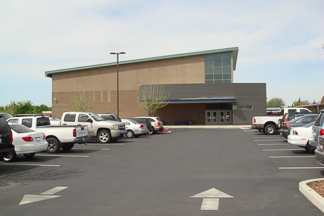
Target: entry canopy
pixel 203 100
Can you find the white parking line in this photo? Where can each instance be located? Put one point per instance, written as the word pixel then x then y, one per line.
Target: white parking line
pixel 292 156
pixel 56 155
pixel 283 150
pixel 298 168
pixel 269 140
pixel 119 144
pixel 106 149
pixel 41 165
pixel 272 144
pixel 269 137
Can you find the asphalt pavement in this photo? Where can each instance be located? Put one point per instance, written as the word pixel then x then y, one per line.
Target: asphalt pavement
pixel 219 171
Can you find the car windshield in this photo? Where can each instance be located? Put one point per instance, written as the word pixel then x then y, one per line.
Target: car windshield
pixel 309 124
pixel 96 117
pixel 18 128
pixel 135 122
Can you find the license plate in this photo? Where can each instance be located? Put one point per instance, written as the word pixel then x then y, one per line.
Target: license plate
pixel 38 139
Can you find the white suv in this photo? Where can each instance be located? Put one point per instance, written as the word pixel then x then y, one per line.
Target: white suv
pixel 156 123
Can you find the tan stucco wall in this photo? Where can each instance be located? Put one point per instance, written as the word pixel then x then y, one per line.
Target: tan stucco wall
pixel 100 84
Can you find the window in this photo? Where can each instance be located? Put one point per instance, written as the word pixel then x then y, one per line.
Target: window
pixel 218 68
pixel 304 111
pixel 69 118
pixel 83 118
pixel 43 121
pixel 242 107
pixel 18 128
pixel 27 122
pixel 13 121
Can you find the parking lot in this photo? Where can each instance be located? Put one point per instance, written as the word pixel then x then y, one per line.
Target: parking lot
pixel 164 174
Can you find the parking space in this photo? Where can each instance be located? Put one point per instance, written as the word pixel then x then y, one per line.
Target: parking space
pixel 159 174
pixel 280 152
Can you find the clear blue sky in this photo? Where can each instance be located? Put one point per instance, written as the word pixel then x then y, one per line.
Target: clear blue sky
pixel 280 42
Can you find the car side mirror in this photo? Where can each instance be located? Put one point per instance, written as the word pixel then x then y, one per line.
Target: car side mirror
pixel 89 120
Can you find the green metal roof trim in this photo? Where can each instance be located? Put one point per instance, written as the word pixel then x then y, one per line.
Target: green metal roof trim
pixel 207 52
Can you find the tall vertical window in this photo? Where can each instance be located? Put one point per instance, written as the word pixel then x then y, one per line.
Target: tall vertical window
pixel 218 68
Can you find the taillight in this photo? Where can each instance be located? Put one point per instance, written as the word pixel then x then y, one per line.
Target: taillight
pixel 141 126
pixel 286 125
pixel 74 132
pixel 295 133
pixel 28 139
pixel 44 137
pixel 285 119
pixel 254 120
pixel 159 124
pixel 322 132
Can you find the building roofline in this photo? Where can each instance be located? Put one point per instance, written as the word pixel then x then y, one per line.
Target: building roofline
pixel 206 52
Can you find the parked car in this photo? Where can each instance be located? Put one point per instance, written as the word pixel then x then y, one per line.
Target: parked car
pixel 318 130
pixel 110 116
pixel 57 136
pixel 146 121
pixel 134 129
pixel 297 122
pixel 270 124
pixel 5 137
pixel 156 123
pixel 26 142
pixel 104 130
pixel 5 115
pixel 319 152
pixel 299 136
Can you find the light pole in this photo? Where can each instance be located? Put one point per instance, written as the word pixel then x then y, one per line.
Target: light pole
pixel 113 53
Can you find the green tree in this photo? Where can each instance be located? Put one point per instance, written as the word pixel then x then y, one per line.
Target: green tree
pixel 24 107
pixel 153 97
pixel 276 102
pixel 300 102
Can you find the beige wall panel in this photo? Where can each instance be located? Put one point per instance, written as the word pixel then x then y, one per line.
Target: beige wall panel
pixel 101 83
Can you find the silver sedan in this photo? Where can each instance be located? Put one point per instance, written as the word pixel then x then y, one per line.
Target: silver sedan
pixel 134 129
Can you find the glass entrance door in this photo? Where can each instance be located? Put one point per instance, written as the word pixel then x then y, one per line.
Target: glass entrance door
pixel 225 116
pixel 217 117
pixel 211 117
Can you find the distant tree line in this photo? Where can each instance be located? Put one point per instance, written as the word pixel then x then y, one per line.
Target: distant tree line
pixel 24 107
pixel 278 102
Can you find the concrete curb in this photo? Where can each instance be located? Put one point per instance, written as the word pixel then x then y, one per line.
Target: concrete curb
pixel 312 195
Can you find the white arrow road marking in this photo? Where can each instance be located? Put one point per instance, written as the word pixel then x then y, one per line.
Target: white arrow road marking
pixel 29 198
pixel 54 190
pixel 210 204
pixel 211 198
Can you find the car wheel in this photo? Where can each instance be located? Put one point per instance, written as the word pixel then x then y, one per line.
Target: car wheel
pixel 151 131
pixel 9 156
pixel 67 146
pixel 130 134
pixel 53 145
pixel 310 149
pixel 30 155
pixel 270 129
pixel 104 136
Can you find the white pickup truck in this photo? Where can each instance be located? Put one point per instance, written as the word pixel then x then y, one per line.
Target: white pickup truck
pixel 104 130
pixel 57 136
pixel 270 124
